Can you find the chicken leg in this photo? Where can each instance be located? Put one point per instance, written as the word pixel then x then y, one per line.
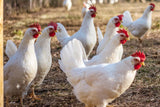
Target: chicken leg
pixel 33 95
pixel 7 102
pixel 21 101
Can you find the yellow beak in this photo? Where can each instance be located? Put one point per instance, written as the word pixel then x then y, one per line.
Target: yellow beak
pixel 56 31
pixel 142 63
pixel 39 33
pixel 128 38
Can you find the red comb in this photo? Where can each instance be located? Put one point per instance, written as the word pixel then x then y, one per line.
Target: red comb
pixel 93 7
pixel 152 4
pixel 120 17
pixel 37 26
pixel 53 24
pixel 123 31
pixel 139 54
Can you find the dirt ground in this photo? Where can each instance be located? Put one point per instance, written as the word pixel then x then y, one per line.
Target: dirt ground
pixel 56 91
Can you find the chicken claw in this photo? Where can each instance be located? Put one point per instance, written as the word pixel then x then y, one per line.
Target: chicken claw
pixel 34 96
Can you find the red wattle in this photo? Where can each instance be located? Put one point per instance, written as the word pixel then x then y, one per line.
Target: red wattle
pixel 93 15
pixel 137 67
pixel 35 35
pixel 52 34
pixel 123 41
pixel 117 24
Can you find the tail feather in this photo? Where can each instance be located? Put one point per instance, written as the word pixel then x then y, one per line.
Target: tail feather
pixel 127 19
pixel 62 34
pixel 100 36
pixel 72 56
pixel 11 48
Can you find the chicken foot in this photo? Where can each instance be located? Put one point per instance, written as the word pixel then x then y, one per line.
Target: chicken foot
pixel 34 96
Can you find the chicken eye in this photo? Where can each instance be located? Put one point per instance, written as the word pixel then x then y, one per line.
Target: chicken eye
pixel 116 19
pixel 34 30
pixel 136 60
pixel 50 29
pixel 91 11
pixel 122 35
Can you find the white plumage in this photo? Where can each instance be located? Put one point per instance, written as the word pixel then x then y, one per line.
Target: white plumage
pixel 43 54
pixel 91 1
pixel 86 34
pixel 96 85
pixel 11 48
pixel 140 26
pixel 44 57
pixel 111 30
pixel 111 53
pixel 100 1
pixel 85 8
pixel 21 68
pixel 67 4
pixel 100 35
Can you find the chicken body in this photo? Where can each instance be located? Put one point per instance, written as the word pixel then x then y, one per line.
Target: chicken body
pixel 96 85
pixel 112 53
pixel 91 1
pixel 140 26
pixel 100 84
pixel 111 30
pixel 43 54
pixel 21 68
pixel 86 34
pixel 100 1
pixel 67 4
pixel 44 57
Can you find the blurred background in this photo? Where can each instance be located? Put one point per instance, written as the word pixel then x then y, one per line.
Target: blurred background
pixel 12 6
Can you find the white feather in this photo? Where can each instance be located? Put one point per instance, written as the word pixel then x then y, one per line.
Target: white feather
pixel 111 30
pixel 127 19
pixel 21 68
pixel 100 35
pixel 11 48
pixel 140 26
pixel 111 53
pixel 113 79
pixel 44 57
pixel 67 4
pixel 72 56
pixel 86 34
pixel 85 8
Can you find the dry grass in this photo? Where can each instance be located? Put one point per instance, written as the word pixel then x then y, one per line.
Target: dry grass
pixel 56 91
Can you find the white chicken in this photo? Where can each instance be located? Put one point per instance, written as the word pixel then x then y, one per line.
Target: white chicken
pixel 113 1
pixel 98 85
pixel 100 1
pixel 67 4
pixel 112 52
pixel 86 34
pixel 140 26
pixel 43 54
pixel 111 30
pixel 21 68
pixel 91 1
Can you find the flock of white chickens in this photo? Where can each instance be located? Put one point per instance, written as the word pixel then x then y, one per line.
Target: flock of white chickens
pixel 96 81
